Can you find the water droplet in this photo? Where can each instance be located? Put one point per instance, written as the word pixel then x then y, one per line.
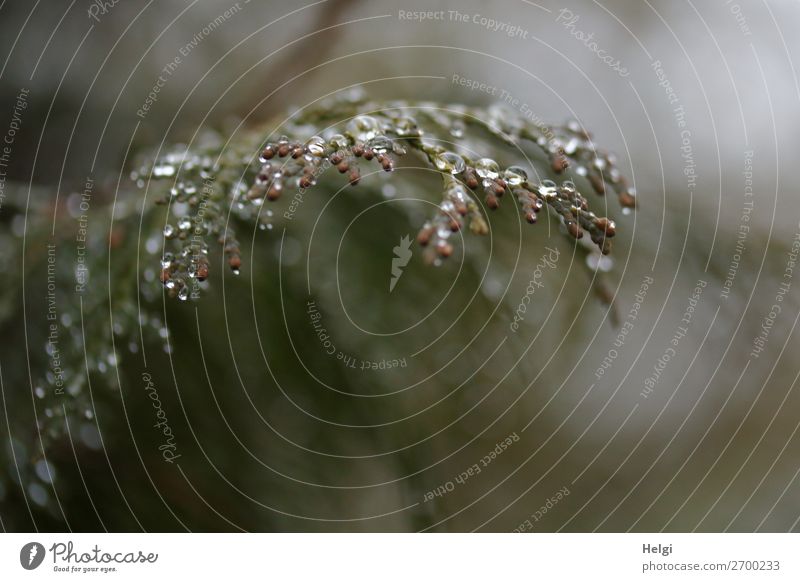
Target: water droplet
pixel 183 294
pixel 547 189
pixel 449 162
pixel 45 471
pixel 38 494
pixel 163 171
pixel 457 191
pixel 380 144
pixel 364 127
pixel 598 262
pixel 316 146
pixel 185 223
pixel 571 146
pixel 515 175
pixel 91 437
pixel 169 231
pixel 457 128
pixel 487 168
pixel 406 127
pixel 39 391
pixel 338 141
pixel 152 244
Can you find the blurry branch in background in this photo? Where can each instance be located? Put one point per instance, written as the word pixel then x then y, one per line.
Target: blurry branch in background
pixel 299 57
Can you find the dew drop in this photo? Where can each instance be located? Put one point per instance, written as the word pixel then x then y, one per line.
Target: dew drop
pixel 515 175
pixel 338 141
pixel 487 168
pixel 388 190
pixel 45 471
pixel 406 127
pixel 599 262
pixel 364 127
pixel 449 162
pixel 457 128
pixel 547 189
pixel 163 171
pixel 316 146
pixel 38 494
pixel 91 437
pixel 380 144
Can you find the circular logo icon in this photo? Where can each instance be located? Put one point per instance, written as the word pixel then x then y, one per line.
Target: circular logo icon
pixel 31 555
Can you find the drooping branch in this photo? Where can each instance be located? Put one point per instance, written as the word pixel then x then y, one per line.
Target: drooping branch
pixel 351 134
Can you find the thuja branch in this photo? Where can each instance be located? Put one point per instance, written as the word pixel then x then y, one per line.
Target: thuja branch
pixel 353 135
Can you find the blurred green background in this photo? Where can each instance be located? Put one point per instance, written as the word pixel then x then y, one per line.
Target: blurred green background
pixel 273 433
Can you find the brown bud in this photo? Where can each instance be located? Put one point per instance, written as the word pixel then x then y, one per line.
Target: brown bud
pixel 492 201
pixel 354 176
pixel 606 226
pixel 336 158
pixel 444 249
pixel 559 163
pixel 596 180
pixel 358 150
pixel 274 193
pixel 202 271
pixel 424 236
pixel 234 262
pixel 343 166
pixel 368 154
pixel 627 200
pixel 283 150
pixel 268 153
pixel 573 229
